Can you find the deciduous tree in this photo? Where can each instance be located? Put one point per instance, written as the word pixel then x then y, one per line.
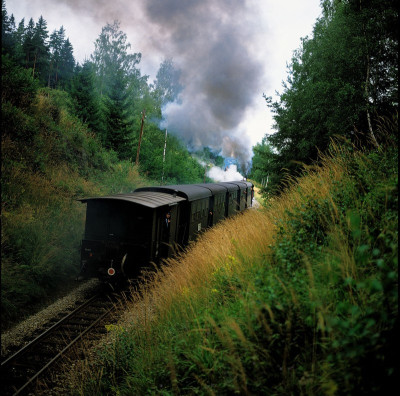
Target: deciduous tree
pixel 167 86
pixel 340 80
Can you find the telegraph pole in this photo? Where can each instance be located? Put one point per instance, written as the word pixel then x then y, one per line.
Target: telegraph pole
pixel 165 147
pixel 140 137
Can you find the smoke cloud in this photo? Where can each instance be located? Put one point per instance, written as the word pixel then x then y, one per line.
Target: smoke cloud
pixel 211 42
pixel 220 175
pixel 215 44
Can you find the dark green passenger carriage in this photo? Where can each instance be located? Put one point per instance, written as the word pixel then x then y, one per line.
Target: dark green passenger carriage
pixel 125 232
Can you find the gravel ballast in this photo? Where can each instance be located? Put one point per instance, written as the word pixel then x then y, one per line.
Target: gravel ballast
pixel 22 333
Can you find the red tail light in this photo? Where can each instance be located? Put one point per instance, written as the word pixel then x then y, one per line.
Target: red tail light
pixel 111 271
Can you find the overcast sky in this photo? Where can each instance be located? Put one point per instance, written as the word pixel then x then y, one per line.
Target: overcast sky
pixel 230 53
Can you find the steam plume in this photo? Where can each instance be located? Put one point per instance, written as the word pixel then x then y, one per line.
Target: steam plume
pixel 213 43
pixel 220 175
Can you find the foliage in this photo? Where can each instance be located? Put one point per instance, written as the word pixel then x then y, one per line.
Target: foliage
pixel 18 85
pixel 62 61
pixel 340 80
pixel 210 156
pixel 111 57
pixel 261 163
pixel 115 71
pixel 178 168
pixel 109 93
pixel 304 302
pixel 87 105
pixel 166 87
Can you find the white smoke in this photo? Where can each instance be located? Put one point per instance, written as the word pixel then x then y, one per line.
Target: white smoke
pixel 220 175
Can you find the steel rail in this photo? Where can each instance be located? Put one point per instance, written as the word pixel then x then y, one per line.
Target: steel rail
pixel 52 361
pixel 24 349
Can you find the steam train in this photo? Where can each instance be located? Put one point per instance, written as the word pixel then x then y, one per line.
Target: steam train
pixel 126 232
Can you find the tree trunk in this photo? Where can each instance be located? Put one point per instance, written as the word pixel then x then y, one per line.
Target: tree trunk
pixel 367 99
pixel 371 132
pixel 34 65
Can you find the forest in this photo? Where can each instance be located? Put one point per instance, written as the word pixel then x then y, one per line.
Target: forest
pixel 299 297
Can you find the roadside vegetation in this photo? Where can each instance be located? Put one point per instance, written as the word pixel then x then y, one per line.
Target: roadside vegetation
pixel 50 158
pixel 300 297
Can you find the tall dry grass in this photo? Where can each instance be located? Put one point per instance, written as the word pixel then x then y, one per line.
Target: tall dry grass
pixel 216 248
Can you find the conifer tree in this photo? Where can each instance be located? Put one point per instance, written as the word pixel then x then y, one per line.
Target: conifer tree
pixel 7 30
pixel 86 99
pixel 118 81
pixel 27 43
pixel 67 64
pixel 18 42
pixel 56 43
pixel 40 61
pixel 117 129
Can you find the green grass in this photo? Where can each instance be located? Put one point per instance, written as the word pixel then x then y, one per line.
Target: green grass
pixel 298 298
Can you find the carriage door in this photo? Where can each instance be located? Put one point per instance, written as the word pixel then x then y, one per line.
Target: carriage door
pixel 167 233
pixel 173 225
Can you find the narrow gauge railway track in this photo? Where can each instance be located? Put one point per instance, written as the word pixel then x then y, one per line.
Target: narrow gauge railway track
pixel 23 370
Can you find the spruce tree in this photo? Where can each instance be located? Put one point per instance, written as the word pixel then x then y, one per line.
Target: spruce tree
pixel 27 44
pixel 7 32
pixel 19 36
pixel 86 100
pixel 67 64
pixel 118 82
pixel 56 43
pixel 41 54
pixel 7 41
pixel 117 129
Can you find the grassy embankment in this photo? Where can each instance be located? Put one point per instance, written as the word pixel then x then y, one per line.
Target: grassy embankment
pixel 49 159
pixel 297 298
